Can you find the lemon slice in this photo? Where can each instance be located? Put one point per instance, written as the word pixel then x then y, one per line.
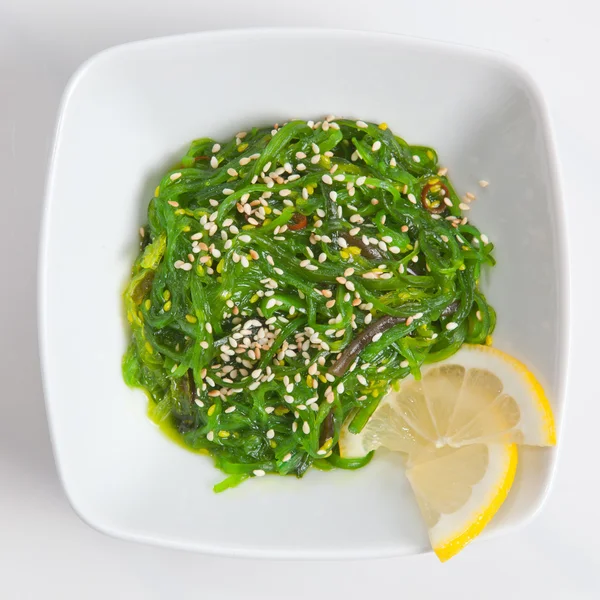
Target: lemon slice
pixel 460 489
pixel 480 395
pixel 459 425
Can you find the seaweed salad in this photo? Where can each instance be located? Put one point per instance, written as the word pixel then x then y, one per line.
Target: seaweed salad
pixel 287 279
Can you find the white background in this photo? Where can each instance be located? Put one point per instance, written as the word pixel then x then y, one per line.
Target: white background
pixel 45 550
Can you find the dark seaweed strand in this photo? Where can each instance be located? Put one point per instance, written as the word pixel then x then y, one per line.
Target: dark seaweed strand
pixel 287 278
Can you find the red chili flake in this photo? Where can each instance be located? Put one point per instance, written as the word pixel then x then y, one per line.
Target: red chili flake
pixel 438 208
pixel 298 222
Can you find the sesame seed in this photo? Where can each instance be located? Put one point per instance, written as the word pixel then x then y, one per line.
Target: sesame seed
pixel 258 472
pixel 270 434
pixel 376 146
pixel 404 364
pixel 483 183
pixel 411 198
pixel 186 266
pixel 286 457
pixel 327 179
pixel 230 409
pixel 244 261
pixel 271 303
pixel 294 426
pixel 361 124
pixel 368 318
pixel 484 239
pixel 214 163
pixel 416 158
pixel 361 180
pixel 478 315
pixel 409 321
pixel 442 171
pixel 216 148
pixel 285 192
pixel 393 162
pixel 451 326
pixel 306 427
pixel 464 206
pixel 333 196
pixel 210 436
pixel 228 191
pixel 376 337
pixel 469 196
pixel 362 379
pixel 418 315
pixel 315 148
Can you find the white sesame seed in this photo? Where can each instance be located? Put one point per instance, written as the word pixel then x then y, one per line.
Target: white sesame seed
pixel 306 427
pixel 392 162
pixel 285 192
pixel 368 318
pixel 451 326
pixel 230 409
pixel 416 158
pixel 210 436
pixel 483 183
pixel 411 198
pixel 244 261
pixel 228 191
pixel 404 364
pixel 361 180
pixel 286 457
pixel 376 146
pixel 258 472
pixel 418 315
pixel 214 163
pixel 484 238
pixel 376 337
pixel 464 206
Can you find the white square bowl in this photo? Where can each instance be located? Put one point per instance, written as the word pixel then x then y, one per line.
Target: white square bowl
pixel 127 114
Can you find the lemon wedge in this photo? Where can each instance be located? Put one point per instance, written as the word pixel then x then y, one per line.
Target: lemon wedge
pixel 459 425
pixel 459 490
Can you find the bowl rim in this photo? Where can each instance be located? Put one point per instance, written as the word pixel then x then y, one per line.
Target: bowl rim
pixel 502 60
